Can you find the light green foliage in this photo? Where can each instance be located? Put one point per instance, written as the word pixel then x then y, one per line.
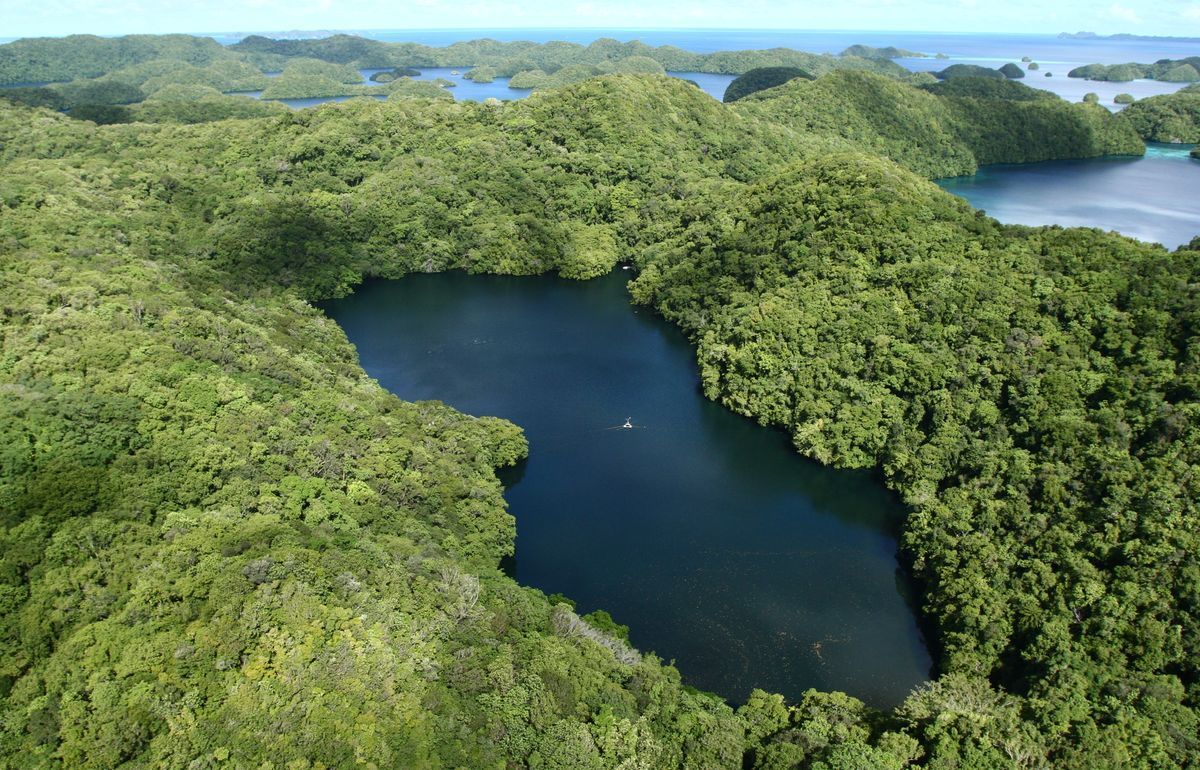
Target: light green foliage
pixel 591 251
pixel 1123 99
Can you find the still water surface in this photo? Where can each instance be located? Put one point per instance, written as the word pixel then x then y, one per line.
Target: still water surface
pixel 706 533
pixel 1152 198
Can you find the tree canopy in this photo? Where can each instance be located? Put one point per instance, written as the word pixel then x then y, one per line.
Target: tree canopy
pixel 760 80
pixel 224 544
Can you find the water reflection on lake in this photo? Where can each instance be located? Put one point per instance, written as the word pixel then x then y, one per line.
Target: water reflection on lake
pixel 1151 198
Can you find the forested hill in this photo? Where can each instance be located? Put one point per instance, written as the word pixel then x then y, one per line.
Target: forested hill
pixel 223 545
pixel 977 121
pixel 36 60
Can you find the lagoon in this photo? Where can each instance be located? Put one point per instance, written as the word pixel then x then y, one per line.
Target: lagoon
pixel 1151 198
pixel 723 549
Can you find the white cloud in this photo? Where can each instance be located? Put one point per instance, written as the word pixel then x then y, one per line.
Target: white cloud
pixel 1192 12
pixel 1122 13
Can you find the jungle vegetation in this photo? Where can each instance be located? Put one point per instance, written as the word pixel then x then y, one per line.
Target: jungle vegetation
pixel 968 71
pixel 82 57
pixel 124 71
pixel 1170 70
pixel 224 545
pixel 886 52
pixel 1012 71
pixel 1167 118
pixel 760 80
pixel 976 123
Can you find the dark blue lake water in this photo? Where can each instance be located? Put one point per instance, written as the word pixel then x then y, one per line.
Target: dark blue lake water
pixel 1152 198
pixel 721 547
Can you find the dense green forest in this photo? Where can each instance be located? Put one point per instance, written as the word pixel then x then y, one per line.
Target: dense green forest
pixel 82 57
pixel 760 80
pixel 978 122
pixel 223 544
pixel 968 71
pixel 100 73
pixel 1171 70
pixel 1167 118
pixel 886 52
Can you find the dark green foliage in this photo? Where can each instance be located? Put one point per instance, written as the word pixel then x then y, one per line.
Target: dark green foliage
pixel 103 114
pixel 949 136
pixel 483 74
pixel 305 78
pixel 565 76
pixel 760 80
pixel 1123 99
pixel 968 71
pixel 99 92
pixel 887 52
pixel 221 541
pixel 1171 70
pixel 886 325
pixel 394 74
pixel 1012 71
pixel 36 60
pixel 989 88
pixel 339 49
pixel 34 97
pixel 223 544
pixel 511 58
pixel 1167 118
pixel 198 104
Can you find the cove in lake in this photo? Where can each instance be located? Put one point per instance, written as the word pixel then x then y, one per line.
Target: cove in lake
pixel 706 533
pixel 1151 198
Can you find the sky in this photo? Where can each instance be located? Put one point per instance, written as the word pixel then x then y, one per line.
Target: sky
pixel 26 18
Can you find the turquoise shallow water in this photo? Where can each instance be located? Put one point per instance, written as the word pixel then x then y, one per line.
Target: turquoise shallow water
pixel 1152 198
pixel 706 533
